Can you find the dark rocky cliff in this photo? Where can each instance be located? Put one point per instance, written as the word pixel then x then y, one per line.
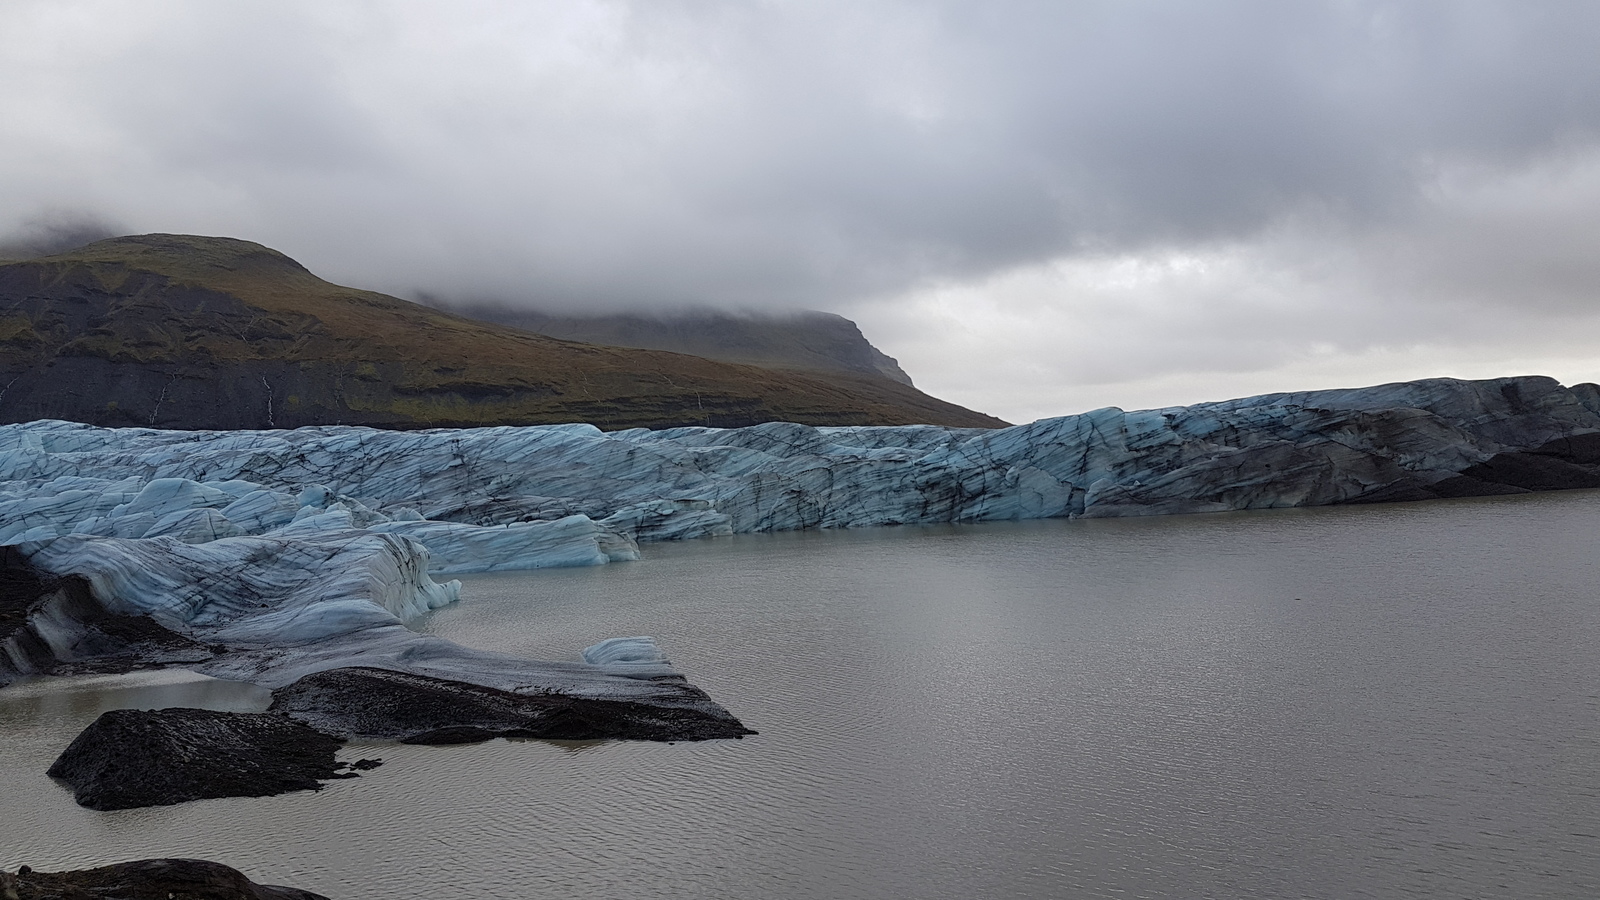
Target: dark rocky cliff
pixel 808 341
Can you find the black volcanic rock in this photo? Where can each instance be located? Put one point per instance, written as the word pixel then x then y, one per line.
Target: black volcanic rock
pixel 146 879
pixel 414 709
pixel 130 758
pixel 135 758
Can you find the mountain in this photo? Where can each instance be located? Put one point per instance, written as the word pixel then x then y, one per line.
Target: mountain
pixel 816 342
pixel 180 331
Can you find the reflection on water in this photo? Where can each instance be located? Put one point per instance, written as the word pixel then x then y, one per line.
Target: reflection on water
pixel 1380 701
pixel 45 701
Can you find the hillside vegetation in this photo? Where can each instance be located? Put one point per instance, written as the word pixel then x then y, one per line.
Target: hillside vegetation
pixel 181 331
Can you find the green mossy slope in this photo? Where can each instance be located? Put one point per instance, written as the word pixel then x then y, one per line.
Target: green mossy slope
pixel 179 331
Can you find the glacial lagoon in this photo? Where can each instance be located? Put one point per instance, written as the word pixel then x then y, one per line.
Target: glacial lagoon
pixel 1396 700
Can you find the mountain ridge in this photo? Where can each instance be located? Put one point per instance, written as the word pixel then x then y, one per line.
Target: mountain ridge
pixel 808 341
pixel 187 331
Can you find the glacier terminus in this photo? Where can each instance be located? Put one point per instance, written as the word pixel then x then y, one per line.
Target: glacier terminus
pixel 273 556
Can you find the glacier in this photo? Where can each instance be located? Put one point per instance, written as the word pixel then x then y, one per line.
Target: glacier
pixel 294 552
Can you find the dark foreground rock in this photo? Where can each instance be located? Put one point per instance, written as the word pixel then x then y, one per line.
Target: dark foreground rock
pixel 147 879
pixel 131 758
pixel 376 703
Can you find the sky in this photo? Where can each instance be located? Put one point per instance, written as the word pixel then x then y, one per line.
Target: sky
pixel 1038 208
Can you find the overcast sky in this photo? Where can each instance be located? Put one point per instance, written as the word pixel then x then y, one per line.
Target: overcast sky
pixel 1039 208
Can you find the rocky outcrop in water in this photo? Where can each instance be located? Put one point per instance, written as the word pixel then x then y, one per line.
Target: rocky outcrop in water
pixel 388 705
pixel 136 758
pixel 147 879
pixel 130 758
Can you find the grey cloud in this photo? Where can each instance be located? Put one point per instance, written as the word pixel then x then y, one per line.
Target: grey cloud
pixel 800 154
pixel 55 231
pixel 837 155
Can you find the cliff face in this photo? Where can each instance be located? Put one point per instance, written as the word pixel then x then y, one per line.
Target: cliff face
pixel 191 332
pixel 809 342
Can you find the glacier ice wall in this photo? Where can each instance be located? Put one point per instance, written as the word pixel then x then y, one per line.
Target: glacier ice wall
pixel 334 533
pixel 1397 441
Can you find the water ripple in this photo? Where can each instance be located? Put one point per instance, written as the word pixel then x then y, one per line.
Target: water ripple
pixel 1381 702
